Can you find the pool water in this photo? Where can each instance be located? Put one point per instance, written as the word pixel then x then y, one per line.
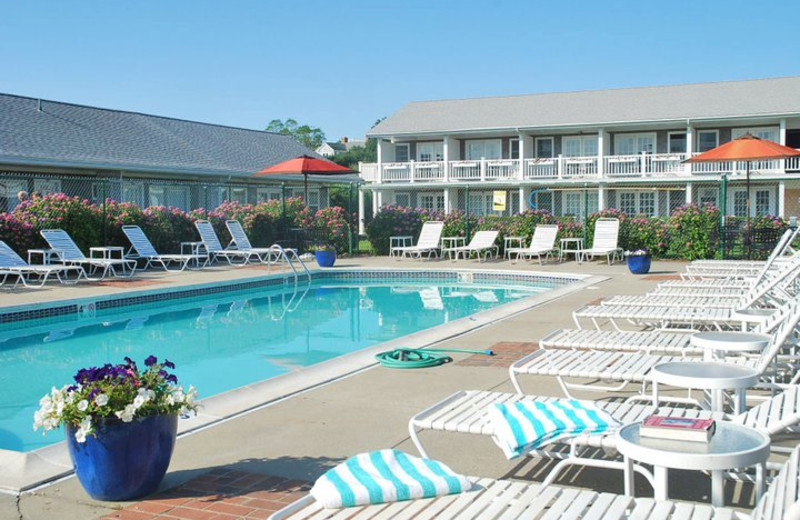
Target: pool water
pixel 223 341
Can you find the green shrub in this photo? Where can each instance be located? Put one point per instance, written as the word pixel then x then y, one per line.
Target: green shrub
pixel 400 221
pixel 694 232
pixel 167 227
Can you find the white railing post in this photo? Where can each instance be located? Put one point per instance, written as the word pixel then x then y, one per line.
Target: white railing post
pixel 643 168
pixel 412 171
pixel 446 172
pixel 560 163
pixel 483 169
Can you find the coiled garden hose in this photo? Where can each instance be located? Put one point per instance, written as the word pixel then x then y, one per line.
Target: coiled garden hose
pixel 420 358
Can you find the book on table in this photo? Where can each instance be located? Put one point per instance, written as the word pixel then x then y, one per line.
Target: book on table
pixel 677 428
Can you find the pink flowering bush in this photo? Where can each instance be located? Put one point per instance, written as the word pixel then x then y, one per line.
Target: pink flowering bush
pixel 398 221
pixel 81 219
pixel 20 236
pixel 694 232
pixel 120 214
pixel 167 227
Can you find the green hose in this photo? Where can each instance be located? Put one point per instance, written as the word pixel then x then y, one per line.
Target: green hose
pixel 419 358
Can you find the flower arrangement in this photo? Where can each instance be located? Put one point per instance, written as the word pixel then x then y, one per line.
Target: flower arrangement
pixel 117 392
pixel 638 252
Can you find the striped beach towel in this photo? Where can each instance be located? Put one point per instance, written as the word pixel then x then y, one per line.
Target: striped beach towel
pixel 385 476
pixel 526 425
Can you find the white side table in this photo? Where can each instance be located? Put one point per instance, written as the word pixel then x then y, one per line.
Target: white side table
pixel 399 241
pixel 751 316
pixel 509 241
pixel 47 255
pixel 107 253
pixel 450 243
pixel 732 446
pixel 570 245
pixel 196 249
pixel 706 375
pixel 716 344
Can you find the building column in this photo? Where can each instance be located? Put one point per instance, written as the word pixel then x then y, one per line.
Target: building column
pixel 376 206
pixel 361 210
pixel 601 197
pixel 689 193
pixel 450 199
pixel 524 195
pixel 525 152
pixel 782 199
pixel 385 154
pixel 689 150
pixel 603 149
pixel 451 153
pixel 782 132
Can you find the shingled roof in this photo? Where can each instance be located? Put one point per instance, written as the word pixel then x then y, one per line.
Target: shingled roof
pixel 762 97
pixel 52 133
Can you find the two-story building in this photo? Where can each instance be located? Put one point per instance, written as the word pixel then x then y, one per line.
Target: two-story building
pixel 574 152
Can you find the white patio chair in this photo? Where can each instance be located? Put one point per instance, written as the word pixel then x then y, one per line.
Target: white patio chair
pixel 214 246
pixel 505 500
pixel 11 264
pixel 241 242
pixel 623 368
pixel 604 243
pixel 144 249
pixel 70 253
pixel 543 243
pixel 782 249
pixel 482 243
pixel 428 242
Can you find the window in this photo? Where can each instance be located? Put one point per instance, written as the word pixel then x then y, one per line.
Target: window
pixel 265 194
pixel 513 148
pixel 544 200
pixel 707 196
pixel 431 201
pixel 430 152
pixel 627 202
pixel 647 203
pixel 638 202
pixel 630 144
pixel 707 139
pixel 764 132
pixel 402 199
pixel 677 142
pixel 763 202
pixel 46 186
pixel 544 147
pixel 170 196
pixel 573 203
pixel 480 203
pixel 580 146
pixel 240 195
pixel 133 192
pixel 487 149
pixel 401 153
pixel 740 203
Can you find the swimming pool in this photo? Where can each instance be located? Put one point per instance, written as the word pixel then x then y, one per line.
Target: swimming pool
pixel 223 337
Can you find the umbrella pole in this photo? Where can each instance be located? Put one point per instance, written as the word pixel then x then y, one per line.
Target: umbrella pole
pixel 748 236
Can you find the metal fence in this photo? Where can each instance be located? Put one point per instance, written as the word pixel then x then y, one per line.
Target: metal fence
pixel 196 196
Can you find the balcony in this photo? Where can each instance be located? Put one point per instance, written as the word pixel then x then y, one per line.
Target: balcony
pixel 638 166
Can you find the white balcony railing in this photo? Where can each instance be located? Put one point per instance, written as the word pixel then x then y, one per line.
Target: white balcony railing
pixel 590 167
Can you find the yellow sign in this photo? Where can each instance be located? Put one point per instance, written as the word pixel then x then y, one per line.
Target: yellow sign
pixel 499 201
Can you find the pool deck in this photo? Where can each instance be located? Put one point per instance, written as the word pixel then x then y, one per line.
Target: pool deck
pixel 250 465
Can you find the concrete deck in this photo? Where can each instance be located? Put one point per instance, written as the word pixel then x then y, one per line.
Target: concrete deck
pixel 300 437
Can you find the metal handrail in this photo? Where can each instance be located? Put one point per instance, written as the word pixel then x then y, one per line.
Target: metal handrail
pixel 281 253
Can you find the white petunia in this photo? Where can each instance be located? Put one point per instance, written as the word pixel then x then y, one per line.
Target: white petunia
pixel 101 400
pixel 127 414
pixel 83 405
pixel 139 400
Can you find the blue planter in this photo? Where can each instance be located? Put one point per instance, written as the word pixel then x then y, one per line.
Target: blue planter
pixel 325 258
pixel 639 264
pixel 123 461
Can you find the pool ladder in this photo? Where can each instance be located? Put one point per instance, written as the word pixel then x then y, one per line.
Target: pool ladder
pixel 288 255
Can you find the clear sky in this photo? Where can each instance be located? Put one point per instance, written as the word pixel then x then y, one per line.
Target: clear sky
pixel 341 65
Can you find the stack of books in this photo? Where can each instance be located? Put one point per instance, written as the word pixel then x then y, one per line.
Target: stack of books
pixel 677 428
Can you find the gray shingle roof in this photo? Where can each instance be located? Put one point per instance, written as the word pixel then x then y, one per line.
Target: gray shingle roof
pixel 597 107
pixel 66 134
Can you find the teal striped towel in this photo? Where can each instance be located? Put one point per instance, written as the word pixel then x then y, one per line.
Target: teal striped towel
pixel 526 425
pixel 385 476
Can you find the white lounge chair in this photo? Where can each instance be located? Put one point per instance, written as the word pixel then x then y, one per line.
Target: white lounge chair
pixel 70 253
pixel 144 249
pixel 482 243
pixel 604 243
pixel 782 248
pixel 634 367
pixel 241 242
pixel 543 243
pixel 11 264
pixel 214 246
pixel 508 500
pixel 428 242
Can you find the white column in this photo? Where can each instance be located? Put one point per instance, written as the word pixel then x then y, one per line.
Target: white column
pixel 375 206
pixel 450 147
pixel 603 144
pixel 782 199
pixel 688 193
pixel 524 195
pixel 450 199
pixel 782 132
pixel 601 198
pixel 525 152
pixel 379 199
pixel 689 149
pixel 361 215
pixel 385 154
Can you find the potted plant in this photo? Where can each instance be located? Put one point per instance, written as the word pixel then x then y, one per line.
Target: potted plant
pixel 325 254
pixel 120 423
pixel 638 260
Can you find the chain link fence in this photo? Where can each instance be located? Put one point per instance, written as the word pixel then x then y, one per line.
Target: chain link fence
pixel 106 196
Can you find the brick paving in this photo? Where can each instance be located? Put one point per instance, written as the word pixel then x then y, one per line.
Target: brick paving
pixel 505 353
pixel 218 495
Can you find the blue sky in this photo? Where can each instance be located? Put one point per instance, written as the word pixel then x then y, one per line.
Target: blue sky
pixel 342 65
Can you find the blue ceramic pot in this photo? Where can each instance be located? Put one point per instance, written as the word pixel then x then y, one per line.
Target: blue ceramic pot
pixel 325 258
pixel 122 461
pixel 639 264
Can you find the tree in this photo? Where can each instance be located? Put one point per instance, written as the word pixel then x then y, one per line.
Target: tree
pixel 306 135
pixel 367 153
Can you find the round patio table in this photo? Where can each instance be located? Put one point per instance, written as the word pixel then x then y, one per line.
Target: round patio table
pixel 731 446
pixel 713 376
pixel 751 316
pixel 717 344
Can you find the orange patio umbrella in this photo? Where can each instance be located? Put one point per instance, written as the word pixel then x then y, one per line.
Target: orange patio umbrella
pixel 746 148
pixel 305 165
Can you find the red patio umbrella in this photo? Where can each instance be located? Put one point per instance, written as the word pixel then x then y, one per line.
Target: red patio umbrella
pixel 306 165
pixel 746 148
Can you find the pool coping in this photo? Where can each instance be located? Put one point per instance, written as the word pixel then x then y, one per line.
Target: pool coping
pixel 23 471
